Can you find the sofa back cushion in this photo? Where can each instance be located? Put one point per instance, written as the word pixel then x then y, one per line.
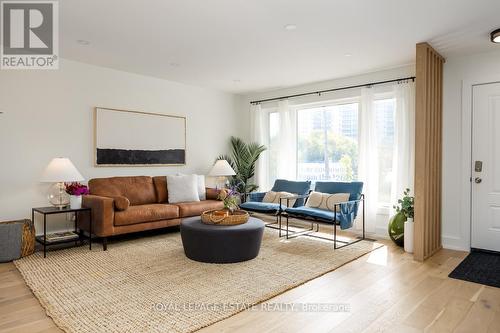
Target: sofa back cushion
pixel 160 183
pixel 139 190
pixel 295 187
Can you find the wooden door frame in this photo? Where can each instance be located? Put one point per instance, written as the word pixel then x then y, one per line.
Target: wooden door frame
pixel 464 240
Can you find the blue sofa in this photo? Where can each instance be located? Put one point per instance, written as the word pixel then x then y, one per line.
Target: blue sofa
pixel 344 218
pixel 255 204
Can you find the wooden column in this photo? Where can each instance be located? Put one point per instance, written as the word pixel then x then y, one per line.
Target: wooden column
pixel 428 151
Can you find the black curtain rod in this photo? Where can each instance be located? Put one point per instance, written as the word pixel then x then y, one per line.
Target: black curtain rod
pixel 331 90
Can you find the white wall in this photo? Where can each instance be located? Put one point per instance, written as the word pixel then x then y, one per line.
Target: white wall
pixel 394 73
pixel 459 74
pixel 49 113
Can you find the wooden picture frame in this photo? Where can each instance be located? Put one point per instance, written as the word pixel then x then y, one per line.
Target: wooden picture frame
pixel 136 138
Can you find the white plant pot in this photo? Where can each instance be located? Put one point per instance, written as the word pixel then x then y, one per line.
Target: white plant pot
pixel 409 224
pixel 75 201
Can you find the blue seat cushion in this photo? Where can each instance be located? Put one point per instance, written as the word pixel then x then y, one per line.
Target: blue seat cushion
pixel 344 218
pixel 291 186
pixel 262 207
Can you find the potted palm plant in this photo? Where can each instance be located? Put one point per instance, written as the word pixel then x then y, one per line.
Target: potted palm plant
pixel 243 159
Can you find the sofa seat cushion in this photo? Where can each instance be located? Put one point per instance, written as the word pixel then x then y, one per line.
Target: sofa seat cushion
pixel 344 218
pixel 195 208
pixel 262 207
pixel 312 212
pixel 146 213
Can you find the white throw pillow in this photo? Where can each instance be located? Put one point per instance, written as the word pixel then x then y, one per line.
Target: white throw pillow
pixel 314 200
pixel 332 199
pixel 269 197
pixel 202 191
pixel 182 188
pixel 326 201
pixel 274 197
pixel 279 195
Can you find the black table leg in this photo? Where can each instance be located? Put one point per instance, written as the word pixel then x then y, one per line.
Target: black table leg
pixel 79 235
pixel 44 236
pixel 90 230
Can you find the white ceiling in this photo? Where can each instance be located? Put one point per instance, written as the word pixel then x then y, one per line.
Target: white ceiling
pixel 241 46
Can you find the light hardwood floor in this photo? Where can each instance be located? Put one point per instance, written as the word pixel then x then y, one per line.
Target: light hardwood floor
pixel 386 291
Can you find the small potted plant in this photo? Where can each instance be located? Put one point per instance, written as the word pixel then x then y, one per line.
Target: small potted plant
pixel 406 207
pixel 75 191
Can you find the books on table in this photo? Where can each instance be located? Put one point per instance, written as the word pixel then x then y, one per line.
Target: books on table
pixel 61 236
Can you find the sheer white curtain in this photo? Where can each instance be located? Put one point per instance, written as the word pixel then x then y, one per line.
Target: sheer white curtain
pixel 368 157
pixel 403 163
pixel 287 141
pixel 259 134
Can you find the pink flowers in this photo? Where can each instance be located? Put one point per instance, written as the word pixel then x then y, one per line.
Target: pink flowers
pixel 76 189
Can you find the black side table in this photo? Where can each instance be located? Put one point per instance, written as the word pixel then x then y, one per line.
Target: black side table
pixel 55 210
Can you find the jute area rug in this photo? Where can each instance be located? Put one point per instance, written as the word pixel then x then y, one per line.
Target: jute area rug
pixel 148 285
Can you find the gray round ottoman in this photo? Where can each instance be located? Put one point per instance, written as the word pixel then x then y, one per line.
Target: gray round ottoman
pixel 220 243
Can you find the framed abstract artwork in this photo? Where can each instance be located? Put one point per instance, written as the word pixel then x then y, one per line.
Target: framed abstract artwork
pixel 134 138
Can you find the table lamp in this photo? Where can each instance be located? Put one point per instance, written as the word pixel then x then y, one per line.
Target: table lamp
pixel 59 171
pixel 221 170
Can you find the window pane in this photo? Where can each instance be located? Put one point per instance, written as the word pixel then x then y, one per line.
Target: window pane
pixel 385 109
pixel 327 140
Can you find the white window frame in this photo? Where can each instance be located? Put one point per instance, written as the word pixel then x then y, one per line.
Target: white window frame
pixel 384 208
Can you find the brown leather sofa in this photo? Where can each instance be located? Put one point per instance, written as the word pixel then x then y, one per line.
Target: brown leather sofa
pixel 123 205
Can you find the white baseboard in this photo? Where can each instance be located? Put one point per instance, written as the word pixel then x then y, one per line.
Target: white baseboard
pixel 454 243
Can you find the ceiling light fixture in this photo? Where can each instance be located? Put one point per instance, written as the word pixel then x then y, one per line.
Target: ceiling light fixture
pixel 495 36
pixel 83 42
pixel 347 55
pixel 290 27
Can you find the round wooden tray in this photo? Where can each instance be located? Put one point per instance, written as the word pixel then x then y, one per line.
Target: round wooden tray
pixel 224 217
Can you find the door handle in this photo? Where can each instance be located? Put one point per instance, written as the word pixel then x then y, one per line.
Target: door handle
pixel 478 180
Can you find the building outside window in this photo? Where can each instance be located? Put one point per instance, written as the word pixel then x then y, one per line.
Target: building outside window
pixel 327 143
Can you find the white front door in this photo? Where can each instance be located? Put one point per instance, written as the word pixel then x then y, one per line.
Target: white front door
pixel 486 167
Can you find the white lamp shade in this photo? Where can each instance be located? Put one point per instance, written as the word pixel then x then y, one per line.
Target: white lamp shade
pixel 61 169
pixel 221 168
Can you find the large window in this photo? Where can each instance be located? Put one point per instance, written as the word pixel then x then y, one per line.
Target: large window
pixel 327 143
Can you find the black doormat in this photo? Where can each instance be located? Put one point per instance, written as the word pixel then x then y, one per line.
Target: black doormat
pixel 479 267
